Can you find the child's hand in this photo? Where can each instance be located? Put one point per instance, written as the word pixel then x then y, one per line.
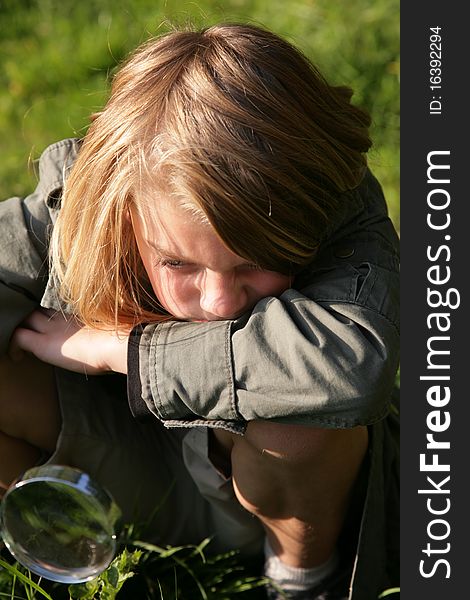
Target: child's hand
pixel 63 342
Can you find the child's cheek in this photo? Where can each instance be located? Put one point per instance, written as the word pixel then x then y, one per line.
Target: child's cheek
pixel 273 284
pixel 176 293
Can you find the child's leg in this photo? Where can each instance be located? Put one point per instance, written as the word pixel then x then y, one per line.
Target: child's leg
pixel 29 415
pixel 297 480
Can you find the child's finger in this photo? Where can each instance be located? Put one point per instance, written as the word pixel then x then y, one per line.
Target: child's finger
pixel 23 339
pixel 37 320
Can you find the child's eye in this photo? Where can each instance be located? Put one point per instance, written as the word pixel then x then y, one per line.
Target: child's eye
pixel 170 263
pixel 253 267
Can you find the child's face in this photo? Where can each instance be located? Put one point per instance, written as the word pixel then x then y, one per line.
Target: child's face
pixel 194 276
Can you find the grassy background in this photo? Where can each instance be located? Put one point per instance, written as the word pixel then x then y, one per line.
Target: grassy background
pixel 56 57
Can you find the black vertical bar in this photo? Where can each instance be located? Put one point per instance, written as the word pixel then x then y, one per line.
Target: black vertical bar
pixel 435 236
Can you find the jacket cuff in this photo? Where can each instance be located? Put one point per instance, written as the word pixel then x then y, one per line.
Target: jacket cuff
pixel 139 408
pixel 184 376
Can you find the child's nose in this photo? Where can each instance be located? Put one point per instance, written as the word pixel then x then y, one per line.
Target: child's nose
pixel 223 295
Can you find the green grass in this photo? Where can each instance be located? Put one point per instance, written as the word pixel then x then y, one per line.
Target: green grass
pixel 143 571
pixel 56 57
pixel 146 572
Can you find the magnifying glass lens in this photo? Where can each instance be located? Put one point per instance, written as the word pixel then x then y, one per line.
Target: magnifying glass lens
pixel 60 524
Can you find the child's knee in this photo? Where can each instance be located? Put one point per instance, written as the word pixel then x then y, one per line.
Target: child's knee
pixel 293 448
pixel 280 470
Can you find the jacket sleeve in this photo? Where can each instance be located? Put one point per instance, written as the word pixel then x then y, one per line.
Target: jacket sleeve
pixel 24 232
pixel 324 353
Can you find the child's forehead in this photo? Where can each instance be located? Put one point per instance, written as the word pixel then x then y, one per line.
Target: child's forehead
pixel 173 232
pixel 159 211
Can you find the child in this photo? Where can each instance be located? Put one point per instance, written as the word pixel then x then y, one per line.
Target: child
pixel 220 247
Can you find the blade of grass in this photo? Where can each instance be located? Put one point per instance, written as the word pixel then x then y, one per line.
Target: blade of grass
pixel 385 593
pixel 27 581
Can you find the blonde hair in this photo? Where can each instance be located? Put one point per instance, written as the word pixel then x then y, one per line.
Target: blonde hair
pixel 234 122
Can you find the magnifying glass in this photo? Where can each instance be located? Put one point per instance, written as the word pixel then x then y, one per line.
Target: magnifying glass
pixel 60 524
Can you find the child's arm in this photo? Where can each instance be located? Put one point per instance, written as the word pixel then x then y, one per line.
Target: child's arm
pixel 325 354
pixel 60 340
pixel 24 229
pixel 22 273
